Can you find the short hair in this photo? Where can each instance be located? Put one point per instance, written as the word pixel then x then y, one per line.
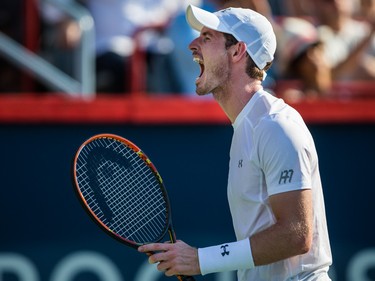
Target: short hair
pixel 251 68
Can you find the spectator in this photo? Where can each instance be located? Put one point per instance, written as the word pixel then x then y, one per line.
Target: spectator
pixel 60 36
pixel 301 61
pixel 116 23
pixel 347 41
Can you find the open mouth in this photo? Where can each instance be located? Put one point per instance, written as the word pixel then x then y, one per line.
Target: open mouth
pixel 201 65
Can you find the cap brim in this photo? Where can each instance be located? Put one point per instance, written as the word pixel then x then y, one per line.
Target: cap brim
pixel 198 18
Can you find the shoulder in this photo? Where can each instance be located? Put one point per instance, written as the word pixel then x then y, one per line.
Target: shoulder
pixel 269 116
pixel 282 130
pixel 277 115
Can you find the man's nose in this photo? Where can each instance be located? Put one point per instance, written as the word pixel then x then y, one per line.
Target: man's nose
pixel 193 45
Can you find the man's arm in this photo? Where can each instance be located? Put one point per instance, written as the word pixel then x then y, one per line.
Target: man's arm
pixel 291 235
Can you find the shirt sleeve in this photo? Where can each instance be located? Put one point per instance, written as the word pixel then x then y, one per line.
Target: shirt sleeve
pixel 284 155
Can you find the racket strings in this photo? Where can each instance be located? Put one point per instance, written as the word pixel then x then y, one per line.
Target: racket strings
pixel 137 207
pixel 131 191
pixel 143 216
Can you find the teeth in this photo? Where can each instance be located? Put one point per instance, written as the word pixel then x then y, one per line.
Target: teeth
pixel 198 60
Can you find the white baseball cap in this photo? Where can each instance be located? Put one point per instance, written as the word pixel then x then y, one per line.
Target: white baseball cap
pixel 245 25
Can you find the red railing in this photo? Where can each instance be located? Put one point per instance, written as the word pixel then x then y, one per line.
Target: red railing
pixel 52 108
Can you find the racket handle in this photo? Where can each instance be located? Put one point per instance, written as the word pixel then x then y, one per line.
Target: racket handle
pixel 185 278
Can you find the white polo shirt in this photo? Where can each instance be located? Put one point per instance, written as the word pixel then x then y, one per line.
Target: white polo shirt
pixel 272 152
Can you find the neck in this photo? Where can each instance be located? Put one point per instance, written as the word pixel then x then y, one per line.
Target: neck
pixel 234 99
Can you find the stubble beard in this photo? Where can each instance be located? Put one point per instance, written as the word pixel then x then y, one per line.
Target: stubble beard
pixel 215 82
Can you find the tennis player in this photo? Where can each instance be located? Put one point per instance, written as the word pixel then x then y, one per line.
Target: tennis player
pixel 274 187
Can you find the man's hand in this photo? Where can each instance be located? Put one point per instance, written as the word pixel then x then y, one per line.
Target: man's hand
pixel 173 259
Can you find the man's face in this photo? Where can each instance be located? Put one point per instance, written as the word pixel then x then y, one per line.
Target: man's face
pixel 209 52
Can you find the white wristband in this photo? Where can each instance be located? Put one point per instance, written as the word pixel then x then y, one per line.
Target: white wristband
pixel 226 257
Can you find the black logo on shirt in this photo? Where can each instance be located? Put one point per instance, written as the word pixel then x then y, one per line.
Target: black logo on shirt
pixel 240 163
pixel 225 252
pixel 286 176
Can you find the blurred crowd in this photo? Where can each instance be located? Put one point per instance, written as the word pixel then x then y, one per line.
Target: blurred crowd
pixel 321 43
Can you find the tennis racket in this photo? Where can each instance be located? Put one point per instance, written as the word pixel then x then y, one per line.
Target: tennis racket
pixel 122 191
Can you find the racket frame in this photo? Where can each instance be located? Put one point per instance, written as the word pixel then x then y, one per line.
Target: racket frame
pixel 168 227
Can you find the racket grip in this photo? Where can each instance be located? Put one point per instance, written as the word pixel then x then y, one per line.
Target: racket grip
pixel 185 278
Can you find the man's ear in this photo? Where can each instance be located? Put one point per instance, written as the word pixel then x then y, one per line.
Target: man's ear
pixel 239 51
